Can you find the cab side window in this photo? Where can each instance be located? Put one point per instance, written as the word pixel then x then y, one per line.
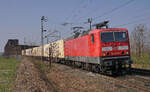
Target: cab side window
pixel 92 38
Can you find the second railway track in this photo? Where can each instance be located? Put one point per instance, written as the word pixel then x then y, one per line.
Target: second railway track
pixel 128 84
pixel 140 71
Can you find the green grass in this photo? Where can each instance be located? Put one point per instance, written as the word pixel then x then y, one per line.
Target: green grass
pixel 7 73
pixel 141 62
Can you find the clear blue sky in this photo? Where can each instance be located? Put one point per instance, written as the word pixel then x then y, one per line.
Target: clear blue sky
pixel 20 19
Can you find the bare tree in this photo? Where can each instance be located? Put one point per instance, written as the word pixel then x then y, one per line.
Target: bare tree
pixel 147 46
pixel 138 39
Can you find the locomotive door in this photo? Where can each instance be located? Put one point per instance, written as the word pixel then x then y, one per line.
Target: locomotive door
pixel 92 45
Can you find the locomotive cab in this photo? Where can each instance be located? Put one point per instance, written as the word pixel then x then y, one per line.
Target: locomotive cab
pixel 115 49
pixel 112 45
pixel 114 42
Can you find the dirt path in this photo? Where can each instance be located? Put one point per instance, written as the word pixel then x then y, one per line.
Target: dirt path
pixel 29 79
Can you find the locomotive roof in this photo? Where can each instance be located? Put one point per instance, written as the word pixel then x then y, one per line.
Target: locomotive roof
pixel 108 29
pixel 95 31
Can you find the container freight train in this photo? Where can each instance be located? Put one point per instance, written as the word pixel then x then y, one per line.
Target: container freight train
pixel 105 50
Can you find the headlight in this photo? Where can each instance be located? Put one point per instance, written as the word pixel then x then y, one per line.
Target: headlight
pixel 123 48
pixel 106 48
pixel 103 54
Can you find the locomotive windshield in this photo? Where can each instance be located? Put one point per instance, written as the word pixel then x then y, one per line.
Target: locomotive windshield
pixel 113 36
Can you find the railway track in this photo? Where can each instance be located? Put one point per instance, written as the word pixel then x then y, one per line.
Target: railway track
pixel 127 84
pixel 142 79
pixel 140 71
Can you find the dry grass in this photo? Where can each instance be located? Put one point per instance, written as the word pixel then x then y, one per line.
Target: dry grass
pixel 30 79
pixel 141 62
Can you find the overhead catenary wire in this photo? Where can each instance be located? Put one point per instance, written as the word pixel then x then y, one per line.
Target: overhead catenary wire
pixel 133 22
pixel 109 12
pixel 141 15
pixel 89 12
pixel 114 9
pixel 73 11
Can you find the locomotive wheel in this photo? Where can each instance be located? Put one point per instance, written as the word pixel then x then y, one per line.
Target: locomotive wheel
pixel 97 69
pixel 102 68
pixel 70 63
pixel 88 67
pixel 74 64
pixel 83 66
pixel 129 69
pixel 91 68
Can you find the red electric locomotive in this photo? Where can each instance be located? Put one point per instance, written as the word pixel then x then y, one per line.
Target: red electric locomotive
pixel 105 49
